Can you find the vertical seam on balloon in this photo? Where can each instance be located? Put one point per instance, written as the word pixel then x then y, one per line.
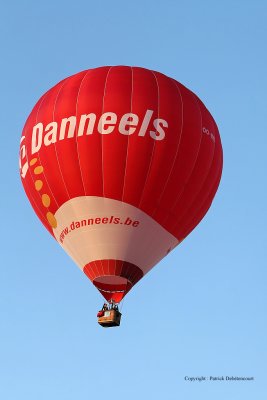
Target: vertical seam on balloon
pixel 177 151
pixel 134 277
pixel 129 273
pixel 55 147
pixel 102 148
pixel 121 266
pixel 115 270
pixel 94 269
pixel 181 194
pixel 217 178
pixel 89 270
pixel 126 270
pixel 207 174
pixel 108 267
pixel 132 274
pixel 193 215
pixel 189 228
pixel 139 276
pixel 154 144
pixel 76 135
pixel 128 138
pixel 97 270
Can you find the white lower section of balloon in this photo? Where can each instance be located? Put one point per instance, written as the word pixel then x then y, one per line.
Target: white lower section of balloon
pixel 93 228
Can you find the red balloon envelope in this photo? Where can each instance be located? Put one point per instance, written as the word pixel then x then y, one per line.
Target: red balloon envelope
pixel 120 164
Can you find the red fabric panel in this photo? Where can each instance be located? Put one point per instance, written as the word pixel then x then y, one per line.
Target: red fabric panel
pixel 140 148
pixel 112 267
pixel 186 154
pixel 164 152
pixel 66 149
pixel 197 178
pixel 120 268
pixel 90 100
pixel 203 200
pixel 124 269
pixel 114 144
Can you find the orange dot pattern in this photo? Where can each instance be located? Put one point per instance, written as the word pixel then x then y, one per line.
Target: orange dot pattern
pixel 51 219
pixel 33 161
pixel 38 170
pixel 46 200
pixel 38 185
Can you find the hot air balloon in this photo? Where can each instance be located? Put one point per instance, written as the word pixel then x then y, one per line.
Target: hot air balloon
pixel 120 164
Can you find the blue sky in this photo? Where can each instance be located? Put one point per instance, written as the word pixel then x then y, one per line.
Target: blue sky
pixel 202 310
